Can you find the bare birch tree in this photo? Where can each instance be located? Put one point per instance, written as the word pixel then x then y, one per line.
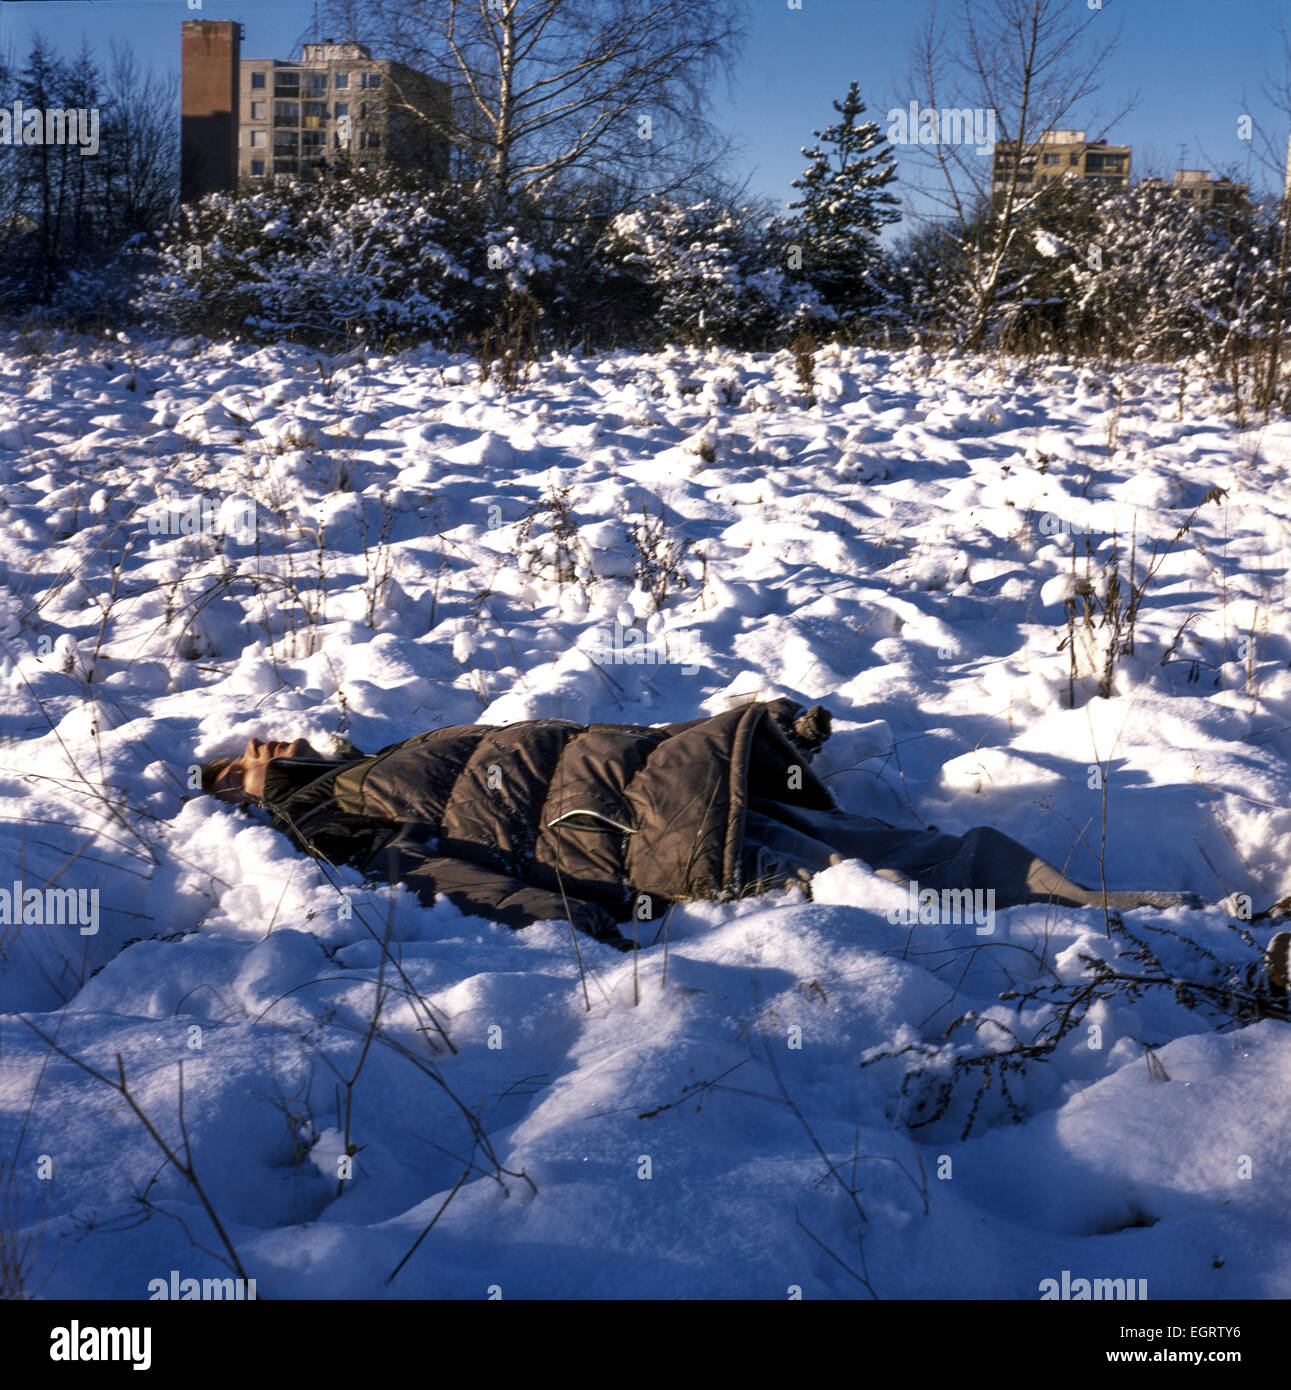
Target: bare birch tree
pixel 1034 64
pixel 615 90
pixel 140 162
pixel 1275 155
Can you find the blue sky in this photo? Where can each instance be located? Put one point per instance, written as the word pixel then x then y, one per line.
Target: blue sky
pixel 1197 65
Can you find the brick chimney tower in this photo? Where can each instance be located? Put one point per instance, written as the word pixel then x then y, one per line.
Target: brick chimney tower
pixel 209 109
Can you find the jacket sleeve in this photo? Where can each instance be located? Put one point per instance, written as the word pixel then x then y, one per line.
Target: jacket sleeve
pixel 482 892
pixel 806 729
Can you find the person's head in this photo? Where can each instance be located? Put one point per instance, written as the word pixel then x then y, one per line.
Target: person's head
pixel 241 779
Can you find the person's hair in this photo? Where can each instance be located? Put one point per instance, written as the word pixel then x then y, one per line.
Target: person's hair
pixel 212 770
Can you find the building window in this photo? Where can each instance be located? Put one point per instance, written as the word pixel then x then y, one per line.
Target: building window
pixel 369 140
pixel 257 80
pixel 286 113
pixel 363 110
pixel 259 138
pixel 284 142
pixel 312 141
pixel 1053 159
pixel 286 83
pixel 284 166
pixel 371 80
pixel 317 81
pixel 258 110
pixel 341 109
pixel 315 113
pixel 257 168
pixel 342 81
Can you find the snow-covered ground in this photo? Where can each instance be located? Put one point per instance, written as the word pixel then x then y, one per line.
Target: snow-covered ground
pixel 636 539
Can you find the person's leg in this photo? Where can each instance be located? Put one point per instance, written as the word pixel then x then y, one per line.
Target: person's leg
pixel 982 858
pixel 990 859
pixel 776 855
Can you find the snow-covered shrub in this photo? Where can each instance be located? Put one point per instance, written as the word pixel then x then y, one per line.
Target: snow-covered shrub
pixel 933 284
pixel 384 259
pixel 1139 274
pixel 1149 275
pixel 527 269
pixel 320 262
pixel 87 293
pixel 583 295
pixel 713 273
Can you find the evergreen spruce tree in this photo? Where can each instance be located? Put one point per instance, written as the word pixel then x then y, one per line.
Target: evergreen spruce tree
pixel 844 203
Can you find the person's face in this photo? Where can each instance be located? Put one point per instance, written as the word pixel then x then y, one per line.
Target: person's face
pixel 243 779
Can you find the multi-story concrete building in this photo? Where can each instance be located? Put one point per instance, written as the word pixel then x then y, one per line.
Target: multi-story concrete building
pixel 1062 154
pixel 336 102
pixel 335 105
pixel 1195 186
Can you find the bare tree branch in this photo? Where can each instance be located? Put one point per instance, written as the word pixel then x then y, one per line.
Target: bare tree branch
pixel 608 89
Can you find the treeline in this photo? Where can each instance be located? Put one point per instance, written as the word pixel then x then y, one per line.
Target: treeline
pixel 1138 274
pixel 67 216
pixel 384 259
pixel 388 258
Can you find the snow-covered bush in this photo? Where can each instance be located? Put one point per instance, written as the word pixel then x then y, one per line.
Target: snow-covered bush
pixel 713 273
pixel 1134 274
pixel 86 293
pixel 377 257
pixel 1149 275
pixel 933 280
pixel 554 267
pixel 319 262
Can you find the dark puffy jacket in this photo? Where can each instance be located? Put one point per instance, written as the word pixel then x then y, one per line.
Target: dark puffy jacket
pixel 550 820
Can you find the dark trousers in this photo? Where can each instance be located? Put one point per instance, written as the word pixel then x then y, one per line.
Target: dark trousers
pixel 786 844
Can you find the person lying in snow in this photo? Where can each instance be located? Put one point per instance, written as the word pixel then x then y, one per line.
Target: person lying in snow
pixel 598 824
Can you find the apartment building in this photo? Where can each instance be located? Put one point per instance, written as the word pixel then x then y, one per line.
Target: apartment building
pixel 252 119
pixel 1195 186
pixel 336 103
pixel 1062 154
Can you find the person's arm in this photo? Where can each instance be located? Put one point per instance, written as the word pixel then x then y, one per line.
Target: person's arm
pixel 806 729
